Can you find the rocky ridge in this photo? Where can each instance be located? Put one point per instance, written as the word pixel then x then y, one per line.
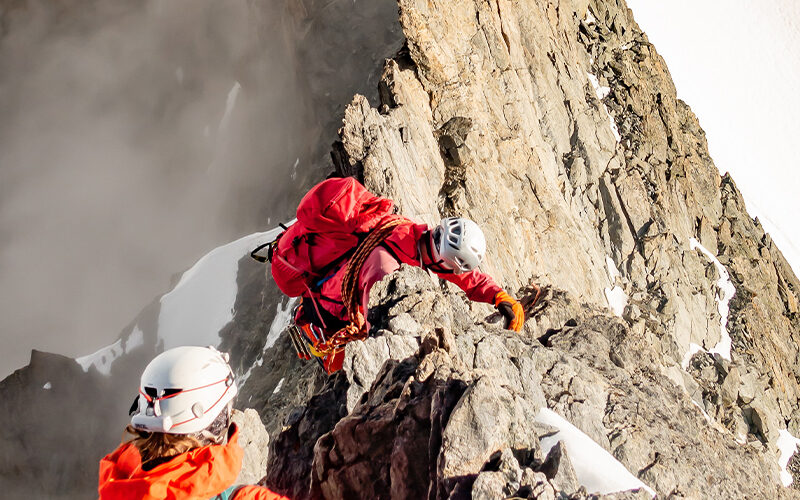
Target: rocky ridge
pixel 556 126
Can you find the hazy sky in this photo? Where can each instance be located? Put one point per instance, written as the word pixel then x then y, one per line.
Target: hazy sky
pixel 137 136
pixel 737 64
pixel 120 162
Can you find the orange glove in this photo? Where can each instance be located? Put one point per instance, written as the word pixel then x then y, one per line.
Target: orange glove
pixel 511 310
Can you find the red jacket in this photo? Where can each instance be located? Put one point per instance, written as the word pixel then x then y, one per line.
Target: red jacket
pixel 201 473
pixel 403 245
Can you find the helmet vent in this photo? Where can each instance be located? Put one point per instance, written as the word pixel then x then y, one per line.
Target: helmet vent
pixel 437 237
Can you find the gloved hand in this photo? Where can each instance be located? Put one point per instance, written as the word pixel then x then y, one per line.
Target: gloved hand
pixel 511 310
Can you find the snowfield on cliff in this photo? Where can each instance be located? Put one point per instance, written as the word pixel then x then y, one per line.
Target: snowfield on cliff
pixel 201 304
pixel 595 468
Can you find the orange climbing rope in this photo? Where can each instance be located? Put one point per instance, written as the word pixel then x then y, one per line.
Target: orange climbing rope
pixel 356 329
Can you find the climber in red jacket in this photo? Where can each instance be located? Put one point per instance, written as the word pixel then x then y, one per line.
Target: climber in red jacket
pixel 452 250
pixel 311 258
pixel 184 446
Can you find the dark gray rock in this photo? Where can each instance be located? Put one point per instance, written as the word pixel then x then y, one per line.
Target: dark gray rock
pixel 559 471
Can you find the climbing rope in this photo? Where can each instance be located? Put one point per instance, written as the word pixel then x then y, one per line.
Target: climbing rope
pixel 356 329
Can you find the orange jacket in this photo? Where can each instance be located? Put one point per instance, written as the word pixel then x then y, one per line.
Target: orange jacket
pixel 201 473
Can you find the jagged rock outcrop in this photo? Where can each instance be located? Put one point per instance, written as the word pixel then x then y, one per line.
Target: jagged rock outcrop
pixel 254 440
pixel 432 423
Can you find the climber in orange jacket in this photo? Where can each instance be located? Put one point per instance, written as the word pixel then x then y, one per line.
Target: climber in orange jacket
pixel 183 446
pixel 310 259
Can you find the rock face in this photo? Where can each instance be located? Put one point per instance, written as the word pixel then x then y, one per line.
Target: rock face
pixel 555 125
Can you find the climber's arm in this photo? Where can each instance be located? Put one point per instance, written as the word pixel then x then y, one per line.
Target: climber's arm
pixel 480 287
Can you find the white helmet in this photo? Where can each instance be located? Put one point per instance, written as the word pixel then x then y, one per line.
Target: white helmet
pixel 459 244
pixel 183 390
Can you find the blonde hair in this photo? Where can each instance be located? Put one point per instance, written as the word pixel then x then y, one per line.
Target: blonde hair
pixel 152 445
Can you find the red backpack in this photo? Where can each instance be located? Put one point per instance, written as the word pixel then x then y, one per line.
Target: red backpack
pixel 332 219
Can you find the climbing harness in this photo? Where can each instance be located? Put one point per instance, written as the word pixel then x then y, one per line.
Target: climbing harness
pixel 356 329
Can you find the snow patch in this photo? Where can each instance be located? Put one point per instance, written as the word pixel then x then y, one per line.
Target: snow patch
pixel 787 444
pixel 47 386
pixel 723 298
pixel 693 349
pixel 278 387
pixel 611 269
pixel 103 358
pixel 615 296
pixel 589 19
pixel 617 299
pixel 294 169
pixel 595 468
pixel 134 340
pixel 283 316
pixel 613 124
pixel 202 302
pixel 602 92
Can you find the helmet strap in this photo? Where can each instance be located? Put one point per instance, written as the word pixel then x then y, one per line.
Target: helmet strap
pixel 426 258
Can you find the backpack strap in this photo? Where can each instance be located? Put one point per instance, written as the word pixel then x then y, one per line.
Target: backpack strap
pixel 356 328
pixel 261 258
pixel 228 494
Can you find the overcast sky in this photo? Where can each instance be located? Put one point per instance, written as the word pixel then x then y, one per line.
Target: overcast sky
pixel 737 64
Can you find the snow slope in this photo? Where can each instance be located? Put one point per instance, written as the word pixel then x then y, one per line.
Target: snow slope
pixel 198 307
pixel 105 357
pixel 201 304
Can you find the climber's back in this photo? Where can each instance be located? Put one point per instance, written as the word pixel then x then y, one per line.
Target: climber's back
pixel 184 445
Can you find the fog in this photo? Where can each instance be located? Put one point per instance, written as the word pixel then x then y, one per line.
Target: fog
pixel 137 136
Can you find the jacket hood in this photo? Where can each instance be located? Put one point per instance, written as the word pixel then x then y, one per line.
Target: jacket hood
pixel 199 473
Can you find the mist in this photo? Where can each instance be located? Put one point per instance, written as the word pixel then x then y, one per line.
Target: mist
pixel 137 136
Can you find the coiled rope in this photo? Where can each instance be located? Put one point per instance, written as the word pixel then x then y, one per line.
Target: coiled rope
pixel 356 329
